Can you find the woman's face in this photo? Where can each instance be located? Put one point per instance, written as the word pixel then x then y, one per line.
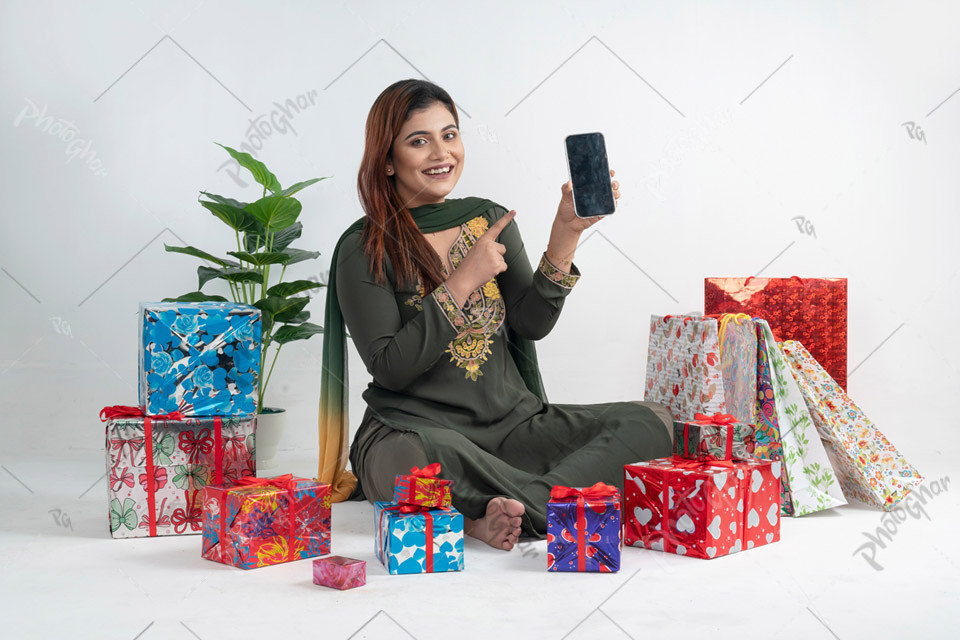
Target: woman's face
pixel 428 139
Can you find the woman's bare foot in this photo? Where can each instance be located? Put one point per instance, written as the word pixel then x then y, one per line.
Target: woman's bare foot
pixel 500 527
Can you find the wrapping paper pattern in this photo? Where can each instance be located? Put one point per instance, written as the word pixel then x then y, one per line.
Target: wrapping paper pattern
pixel 339 572
pixel 602 541
pixel 712 510
pixel 401 542
pixel 869 467
pixel 683 366
pixel 810 310
pixel 200 359
pixel 738 364
pixel 707 441
pixel 184 456
pixel 426 492
pixel 809 483
pixel 261 525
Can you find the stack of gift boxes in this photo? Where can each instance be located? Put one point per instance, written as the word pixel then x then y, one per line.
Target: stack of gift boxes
pixel 184 460
pixel 419 531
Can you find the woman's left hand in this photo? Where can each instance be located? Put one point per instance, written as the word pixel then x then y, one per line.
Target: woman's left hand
pixel 567 220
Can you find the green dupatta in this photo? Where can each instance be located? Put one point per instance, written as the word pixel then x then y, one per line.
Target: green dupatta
pixel 334 378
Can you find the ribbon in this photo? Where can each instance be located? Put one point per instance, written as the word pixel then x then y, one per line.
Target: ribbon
pixel 121 411
pixel 286 482
pixel 151 487
pixel 719 420
pixel 682 464
pixel 598 491
pixel 427 529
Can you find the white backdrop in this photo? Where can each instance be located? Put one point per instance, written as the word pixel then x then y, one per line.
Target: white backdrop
pixel 723 125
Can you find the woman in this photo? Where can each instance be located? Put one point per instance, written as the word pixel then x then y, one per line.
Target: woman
pixel 443 307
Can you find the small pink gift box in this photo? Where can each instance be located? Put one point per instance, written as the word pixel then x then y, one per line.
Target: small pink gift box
pixel 339 572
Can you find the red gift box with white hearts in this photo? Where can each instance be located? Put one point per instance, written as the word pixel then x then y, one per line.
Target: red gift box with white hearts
pixel 703 509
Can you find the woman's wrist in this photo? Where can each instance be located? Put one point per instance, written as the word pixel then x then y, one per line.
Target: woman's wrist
pixel 457 289
pixel 561 247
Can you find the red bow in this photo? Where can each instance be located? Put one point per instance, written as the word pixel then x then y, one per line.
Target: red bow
pixel 121 411
pixel 135 444
pixel 717 419
pixel 193 444
pixel 596 492
pixel 192 515
pixel 429 471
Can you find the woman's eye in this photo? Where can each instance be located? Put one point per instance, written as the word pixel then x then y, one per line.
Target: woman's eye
pixel 414 143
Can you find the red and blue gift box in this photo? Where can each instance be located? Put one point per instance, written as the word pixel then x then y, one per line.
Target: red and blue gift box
pixel 422 487
pixel 263 521
pixel 583 529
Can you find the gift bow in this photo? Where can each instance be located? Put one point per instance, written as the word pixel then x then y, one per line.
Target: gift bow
pixel 717 418
pixel 429 471
pixel 582 494
pixel 121 411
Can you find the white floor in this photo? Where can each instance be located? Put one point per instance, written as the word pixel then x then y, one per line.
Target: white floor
pixel 64 577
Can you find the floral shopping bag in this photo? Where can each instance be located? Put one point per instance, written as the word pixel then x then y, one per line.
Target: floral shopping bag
pixel 869 467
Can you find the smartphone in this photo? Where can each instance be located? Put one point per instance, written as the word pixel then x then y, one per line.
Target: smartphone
pixel 590 174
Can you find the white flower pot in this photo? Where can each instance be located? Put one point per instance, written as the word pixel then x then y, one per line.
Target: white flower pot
pixel 270 424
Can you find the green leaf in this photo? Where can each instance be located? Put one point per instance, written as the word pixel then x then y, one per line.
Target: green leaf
pixel 289 191
pixel 196 296
pixel 275 212
pixel 235 218
pixel 260 259
pixel 203 255
pixel 233 274
pixel 303 316
pixel 259 170
pixel 299 255
pixel 224 200
pixel 281 309
pixel 285 289
pixel 289 333
pixel 281 239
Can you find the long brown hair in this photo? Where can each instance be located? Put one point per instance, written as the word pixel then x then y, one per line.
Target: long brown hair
pixel 390 229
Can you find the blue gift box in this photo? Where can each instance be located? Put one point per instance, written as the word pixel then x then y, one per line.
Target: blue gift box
pixel 583 532
pixel 401 538
pixel 200 358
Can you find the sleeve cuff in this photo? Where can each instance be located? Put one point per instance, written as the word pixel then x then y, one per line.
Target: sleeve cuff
pixel 554 274
pixel 447 303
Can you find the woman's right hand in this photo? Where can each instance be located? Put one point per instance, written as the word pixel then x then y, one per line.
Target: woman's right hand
pixel 482 263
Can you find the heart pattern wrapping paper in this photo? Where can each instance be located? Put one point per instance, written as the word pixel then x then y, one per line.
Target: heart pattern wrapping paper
pixel 868 466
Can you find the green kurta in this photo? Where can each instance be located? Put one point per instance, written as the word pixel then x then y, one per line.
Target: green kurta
pixel 445 373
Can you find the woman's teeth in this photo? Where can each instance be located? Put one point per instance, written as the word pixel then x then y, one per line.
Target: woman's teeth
pixel 433 172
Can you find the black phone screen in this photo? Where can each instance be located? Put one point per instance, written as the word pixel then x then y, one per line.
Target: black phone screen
pixel 590 174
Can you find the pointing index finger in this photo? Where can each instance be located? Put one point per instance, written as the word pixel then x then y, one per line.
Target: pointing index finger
pixel 500 224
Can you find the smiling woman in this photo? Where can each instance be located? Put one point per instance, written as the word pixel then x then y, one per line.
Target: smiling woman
pixel 444 307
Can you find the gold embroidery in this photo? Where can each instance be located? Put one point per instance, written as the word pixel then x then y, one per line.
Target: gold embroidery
pixel 482 316
pixel 554 274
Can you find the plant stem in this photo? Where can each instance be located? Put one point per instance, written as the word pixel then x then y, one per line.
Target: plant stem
pixel 263 387
pixel 241 285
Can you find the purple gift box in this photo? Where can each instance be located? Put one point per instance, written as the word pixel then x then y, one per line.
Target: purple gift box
pixel 583 529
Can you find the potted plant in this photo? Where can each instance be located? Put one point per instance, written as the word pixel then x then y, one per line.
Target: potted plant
pixel 264 231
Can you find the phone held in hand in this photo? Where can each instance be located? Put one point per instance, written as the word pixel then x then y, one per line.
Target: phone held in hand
pixel 590 175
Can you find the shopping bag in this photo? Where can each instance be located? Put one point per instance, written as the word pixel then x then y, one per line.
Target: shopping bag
pixel 869 467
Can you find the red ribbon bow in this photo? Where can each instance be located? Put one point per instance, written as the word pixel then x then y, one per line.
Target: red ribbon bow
pixel 122 411
pixel 429 471
pixel 596 492
pixel 717 418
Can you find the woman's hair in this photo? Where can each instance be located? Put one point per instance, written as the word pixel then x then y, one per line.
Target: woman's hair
pixel 390 229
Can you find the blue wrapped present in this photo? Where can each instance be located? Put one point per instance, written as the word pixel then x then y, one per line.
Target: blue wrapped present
pixel 199 358
pixel 583 529
pixel 415 539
